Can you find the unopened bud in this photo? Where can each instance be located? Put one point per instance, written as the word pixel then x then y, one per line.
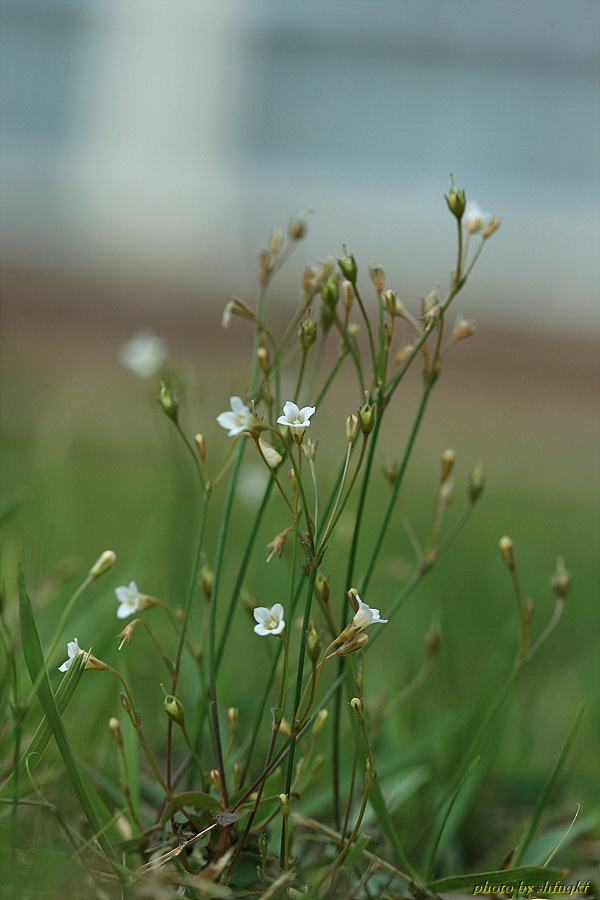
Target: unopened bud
pixel 313 642
pixel 174 708
pixel 403 354
pixel 319 723
pixel 433 640
pixel 233 719
pixel 322 588
pixel 475 483
pixel 391 304
pixel 348 266
pixel 309 448
pixel 284 805
pixel 456 200
pixel 377 276
pixel 169 402
pixel 297 227
pixel 263 845
pixel 263 266
pixel 275 242
pixel 292 478
pixel 237 770
pixel 351 428
pixel 446 492
pixel 463 328
pixel 200 446
pixel 347 295
pixel 448 458
pixel 115 729
pixel 561 580
pixel 330 293
pixel 235 307
pixel 508 554
pixel 307 334
pixel 366 418
pixel 264 362
pixel 357 709
pixel 102 564
pixel 491 228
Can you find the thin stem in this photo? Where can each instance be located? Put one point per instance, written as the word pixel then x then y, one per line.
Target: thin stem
pixel 378 543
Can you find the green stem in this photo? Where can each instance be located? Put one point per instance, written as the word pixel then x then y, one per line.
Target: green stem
pixel 395 488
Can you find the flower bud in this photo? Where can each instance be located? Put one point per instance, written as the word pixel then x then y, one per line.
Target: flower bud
pixel 263 845
pixel 448 457
pixel 357 709
pixel 102 564
pixel 320 720
pixel 235 307
pixel 561 580
pixel 491 228
pixel 330 293
pixel 347 295
pixel 284 805
pixel 456 200
pixel 263 266
pixel 366 417
pixel 264 362
pixel 348 266
pixel 309 448
pixel 313 642
pixel 377 276
pixel 237 770
pixel 115 729
pixel 307 334
pixel 463 328
pixel 322 588
pixel 205 580
pixel 233 719
pixel 200 446
pixel 275 242
pixel 508 554
pixel 391 304
pixel 403 354
pixel 433 639
pixel 351 428
pixel 174 708
pixel 297 227
pixel 431 303
pixel 476 481
pixel 169 402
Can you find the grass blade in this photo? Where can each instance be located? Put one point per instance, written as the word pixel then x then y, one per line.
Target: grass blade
pixel 34 659
pixel 502 880
pixel 543 798
pixel 387 826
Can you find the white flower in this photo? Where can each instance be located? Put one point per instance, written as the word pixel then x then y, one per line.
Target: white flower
pixel 366 616
pixel 474 219
pixel 73 649
pixel 270 621
pixel 129 598
pixel 296 419
pixel 144 354
pixel 239 419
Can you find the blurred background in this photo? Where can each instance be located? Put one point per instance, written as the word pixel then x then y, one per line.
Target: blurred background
pixel 148 148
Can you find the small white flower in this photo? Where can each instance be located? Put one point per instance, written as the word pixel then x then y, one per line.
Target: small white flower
pixel 144 354
pixel 366 616
pixel 296 419
pixel 239 419
pixel 73 649
pixel 270 621
pixel 129 598
pixel 474 219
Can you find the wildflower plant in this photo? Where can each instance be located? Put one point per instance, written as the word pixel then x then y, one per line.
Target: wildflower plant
pixel 224 816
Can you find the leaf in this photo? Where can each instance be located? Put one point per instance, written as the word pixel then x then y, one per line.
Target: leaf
pixel 502 880
pixel 543 798
pixel 197 799
pixel 387 826
pixel 95 812
pixel 43 734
